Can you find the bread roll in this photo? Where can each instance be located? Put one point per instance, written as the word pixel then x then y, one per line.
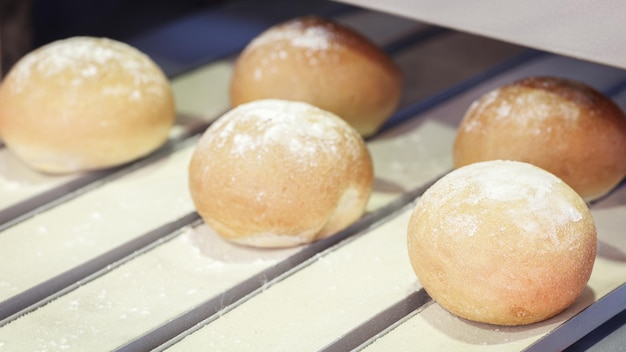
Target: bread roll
pixel 275 173
pixel 314 60
pixel 502 242
pixel 84 103
pixel 560 125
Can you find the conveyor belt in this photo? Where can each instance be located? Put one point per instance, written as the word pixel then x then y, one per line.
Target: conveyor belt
pixel 122 261
pixel 338 318
pixel 105 191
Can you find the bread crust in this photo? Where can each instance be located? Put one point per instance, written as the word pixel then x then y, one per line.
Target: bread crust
pixel 563 126
pixel 325 64
pixel 275 173
pixel 502 242
pixel 84 103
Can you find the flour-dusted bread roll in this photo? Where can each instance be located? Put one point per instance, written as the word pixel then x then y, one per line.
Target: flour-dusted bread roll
pixel 560 125
pixel 84 103
pixel 317 61
pixel 274 173
pixel 502 242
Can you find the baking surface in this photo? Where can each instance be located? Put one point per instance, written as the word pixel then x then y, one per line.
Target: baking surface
pixel 588 30
pixel 436 329
pixel 126 261
pixel 322 301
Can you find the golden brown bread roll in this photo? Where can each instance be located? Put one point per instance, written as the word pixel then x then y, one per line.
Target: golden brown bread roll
pixel 84 103
pixel 560 125
pixel 502 242
pixel 323 63
pixel 274 173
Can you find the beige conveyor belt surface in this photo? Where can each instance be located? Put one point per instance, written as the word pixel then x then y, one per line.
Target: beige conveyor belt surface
pixel 316 302
pixel 344 288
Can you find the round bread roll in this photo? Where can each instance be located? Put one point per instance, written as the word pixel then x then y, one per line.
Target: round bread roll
pixel 325 64
pixel 502 242
pixel 84 103
pixel 560 125
pixel 274 173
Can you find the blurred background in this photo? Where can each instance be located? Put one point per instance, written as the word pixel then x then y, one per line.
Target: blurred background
pixel 177 34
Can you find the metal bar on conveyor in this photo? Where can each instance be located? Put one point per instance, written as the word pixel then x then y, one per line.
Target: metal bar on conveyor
pixel 380 323
pixel 59 285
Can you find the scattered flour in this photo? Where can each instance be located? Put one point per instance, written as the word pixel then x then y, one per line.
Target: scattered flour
pixel 532 199
pixel 301 129
pixel 519 108
pixel 307 40
pixel 76 61
pixel 297 34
